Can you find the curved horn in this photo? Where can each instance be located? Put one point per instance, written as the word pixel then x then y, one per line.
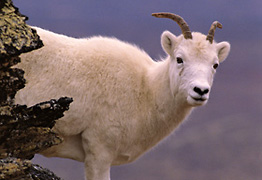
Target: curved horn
pixel 211 31
pixel 179 20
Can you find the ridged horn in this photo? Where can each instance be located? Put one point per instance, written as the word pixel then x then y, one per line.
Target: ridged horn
pixel 179 20
pixel 211 32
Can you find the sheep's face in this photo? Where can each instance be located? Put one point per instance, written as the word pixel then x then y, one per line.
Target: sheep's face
pixel 193 63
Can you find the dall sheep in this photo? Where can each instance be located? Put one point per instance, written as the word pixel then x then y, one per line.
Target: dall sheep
pixel 124 102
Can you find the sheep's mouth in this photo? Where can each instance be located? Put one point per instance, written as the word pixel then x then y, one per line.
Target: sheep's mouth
pixel 201 99
pixel 197 101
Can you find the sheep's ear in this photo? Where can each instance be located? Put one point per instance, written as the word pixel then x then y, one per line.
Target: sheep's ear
pixel 223 49
pixel 168 42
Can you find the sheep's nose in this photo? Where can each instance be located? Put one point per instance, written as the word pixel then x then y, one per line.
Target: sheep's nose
pixel 201 91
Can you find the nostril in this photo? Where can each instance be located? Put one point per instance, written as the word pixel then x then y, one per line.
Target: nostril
pixel 206 91
pixel 200 91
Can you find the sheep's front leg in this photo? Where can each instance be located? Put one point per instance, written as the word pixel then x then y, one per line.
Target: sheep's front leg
pixel 96 169
pixel 97 159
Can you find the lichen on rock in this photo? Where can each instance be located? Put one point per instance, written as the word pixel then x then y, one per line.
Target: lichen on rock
pixel 17 169
pixel 16 36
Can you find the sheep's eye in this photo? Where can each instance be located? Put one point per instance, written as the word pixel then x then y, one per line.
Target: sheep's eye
pixel 179 60
pixel 215 66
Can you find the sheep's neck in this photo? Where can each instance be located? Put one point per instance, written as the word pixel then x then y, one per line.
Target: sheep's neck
pixel 170 109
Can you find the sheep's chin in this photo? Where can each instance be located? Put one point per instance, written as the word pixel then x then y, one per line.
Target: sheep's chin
pixel 195 101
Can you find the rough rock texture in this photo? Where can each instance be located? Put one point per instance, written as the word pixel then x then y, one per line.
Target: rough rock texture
pixel 24 131
pixel 11 80
pixel 16 36
pixel 17 169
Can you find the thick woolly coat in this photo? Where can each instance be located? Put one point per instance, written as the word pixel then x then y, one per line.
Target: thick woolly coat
pixel 124 102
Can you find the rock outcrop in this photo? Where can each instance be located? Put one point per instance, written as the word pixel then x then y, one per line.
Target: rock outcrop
pixel 25 131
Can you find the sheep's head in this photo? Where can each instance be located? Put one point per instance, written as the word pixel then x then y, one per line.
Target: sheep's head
pixel 194 58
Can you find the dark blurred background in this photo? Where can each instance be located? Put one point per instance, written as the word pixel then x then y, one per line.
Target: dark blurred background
pixel 222 140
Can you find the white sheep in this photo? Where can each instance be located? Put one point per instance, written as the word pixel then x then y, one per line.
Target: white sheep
pixel 124 102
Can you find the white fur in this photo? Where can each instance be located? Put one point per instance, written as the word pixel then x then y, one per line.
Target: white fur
pixel 124 102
